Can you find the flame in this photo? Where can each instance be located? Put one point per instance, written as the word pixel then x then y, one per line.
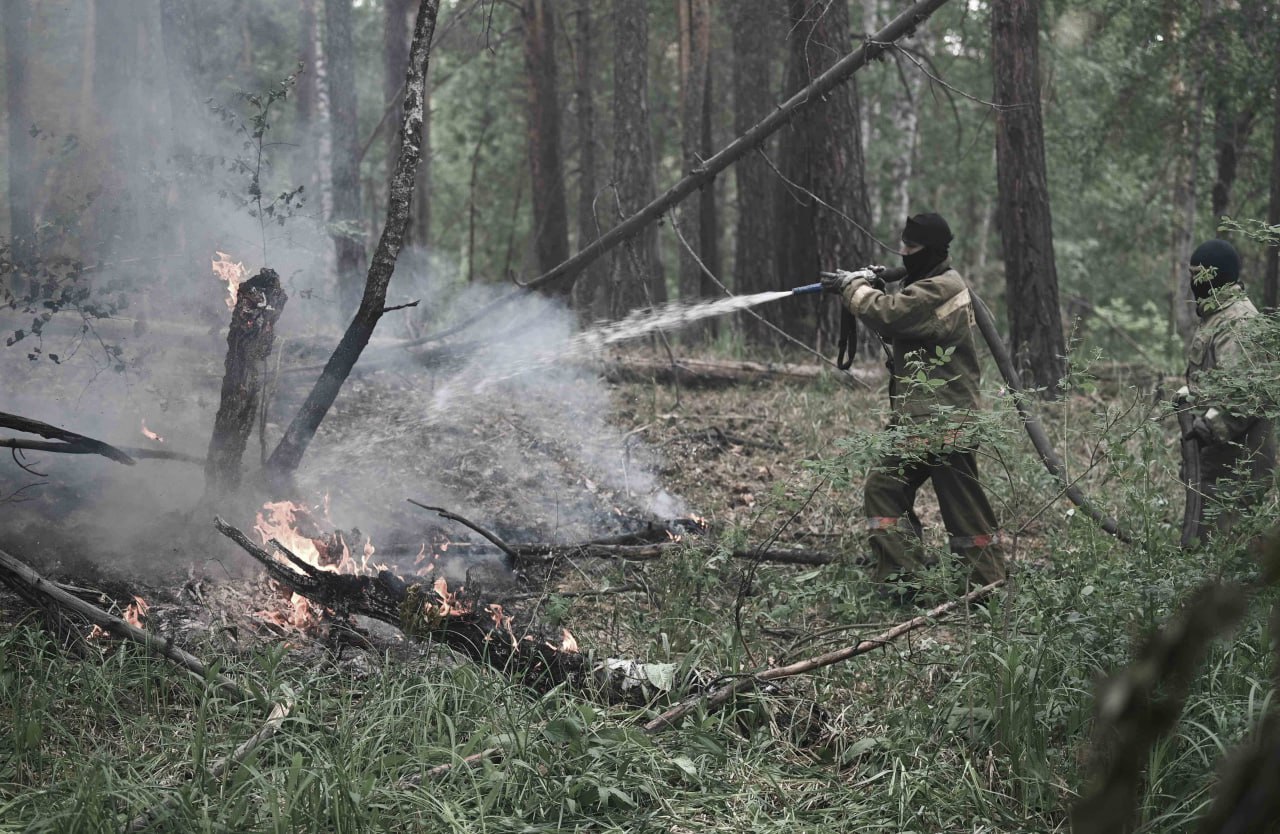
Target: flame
pixel 673 536
pixel 279 520
pixel 149 434
pixel 135 611
pixel 567 641
pixel 501 620
pixel 226 269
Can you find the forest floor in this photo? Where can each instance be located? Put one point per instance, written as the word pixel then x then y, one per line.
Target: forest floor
pixel 980 722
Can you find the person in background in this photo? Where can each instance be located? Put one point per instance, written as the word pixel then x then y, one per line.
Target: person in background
pixel 1237 447
pixel 928 326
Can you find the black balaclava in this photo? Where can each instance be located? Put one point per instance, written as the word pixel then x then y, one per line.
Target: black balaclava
pixel 932 232
pixel 1217 255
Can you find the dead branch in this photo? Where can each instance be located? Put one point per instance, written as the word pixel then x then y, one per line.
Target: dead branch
pixel 16 572
pixel 491 536
pixel 716 698
pixel 275 718
pixel 657 550
pixel 97 447
pixel 628 588
pixel 288 454
pixel 1039 439
pixel 61 448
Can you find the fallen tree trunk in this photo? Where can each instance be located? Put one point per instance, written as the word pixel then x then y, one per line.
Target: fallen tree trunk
pixel 723 372
pixel 259 303
pixel 91 446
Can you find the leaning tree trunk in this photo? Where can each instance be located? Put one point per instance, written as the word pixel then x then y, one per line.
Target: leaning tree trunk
pixel 756 31
pixel 590 294
pixel 345 224
pixel 696 217
pixel 17 16
pixel 1026 225
pixel 636 275
pixel 546 169
pixel 288 454
pixel 259 303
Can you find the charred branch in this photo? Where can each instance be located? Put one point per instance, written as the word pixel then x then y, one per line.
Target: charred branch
pixel 716 373
pixel 90 446
pixel 19 575
pixel 60 448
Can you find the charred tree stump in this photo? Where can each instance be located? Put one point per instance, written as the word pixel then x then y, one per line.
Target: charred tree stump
pixel 249 340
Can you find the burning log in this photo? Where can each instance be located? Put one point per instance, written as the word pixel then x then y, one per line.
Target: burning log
pixel 259 302
pixel 428 610
pixel 76 443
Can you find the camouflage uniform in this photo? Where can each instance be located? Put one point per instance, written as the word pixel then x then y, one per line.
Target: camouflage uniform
pixel 928 317
pixel 1244 442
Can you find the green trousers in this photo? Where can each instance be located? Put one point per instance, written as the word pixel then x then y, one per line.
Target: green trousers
pixel 1235 476
pixel 895 531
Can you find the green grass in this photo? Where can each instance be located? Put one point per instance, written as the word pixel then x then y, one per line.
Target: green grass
pixel 980 724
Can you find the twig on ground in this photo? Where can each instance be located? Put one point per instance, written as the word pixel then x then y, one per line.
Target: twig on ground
pixel 717 698
pixel 491 536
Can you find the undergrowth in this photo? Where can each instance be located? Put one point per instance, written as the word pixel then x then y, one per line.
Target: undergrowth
pixel 980 723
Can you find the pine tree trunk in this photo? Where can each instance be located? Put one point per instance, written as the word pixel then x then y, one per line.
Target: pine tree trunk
pixel 756 33
pixel 697 215
pixel 345 222
pixel 396 20
pixel 591 293
pixel 1026 225
pixel 1271 282
pixel 822 156
pixel 546 168
pixel 17 17
pixel 636 274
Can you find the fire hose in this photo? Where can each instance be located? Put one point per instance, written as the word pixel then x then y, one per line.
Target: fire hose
pixel 1039 438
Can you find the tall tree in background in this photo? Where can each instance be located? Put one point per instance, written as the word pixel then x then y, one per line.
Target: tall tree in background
pixel 345 224
pixel 636 277
pixel 1188 81
pixel 823 201
pixel 546 168
pixel 696 216
pixel 755 37
pixel 1271 282
pixel 17 18
pixel 590 291
pixel 1026 225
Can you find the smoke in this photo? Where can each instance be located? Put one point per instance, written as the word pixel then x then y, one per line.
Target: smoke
pixel 143 183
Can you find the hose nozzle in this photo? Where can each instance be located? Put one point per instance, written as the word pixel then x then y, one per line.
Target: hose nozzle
pixel 807 289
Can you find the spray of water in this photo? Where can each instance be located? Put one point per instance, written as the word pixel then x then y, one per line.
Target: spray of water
pixel 485 371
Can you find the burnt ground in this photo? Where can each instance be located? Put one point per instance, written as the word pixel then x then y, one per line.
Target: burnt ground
pixel 562 458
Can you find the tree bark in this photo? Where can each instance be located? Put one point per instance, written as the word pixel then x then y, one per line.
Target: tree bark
pixel 756 32
pixel 259 303
pixel 1271 281
pixel 1026 224
pixel 288 454
pixel 345 222
pixel 637 277
pixel 546 167
pixel 395 62
pixel 590 298
pixel 824 201
pixel 17 17
pixel 697 216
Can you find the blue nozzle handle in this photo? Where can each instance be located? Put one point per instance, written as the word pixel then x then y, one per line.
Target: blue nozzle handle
pixel 807 289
